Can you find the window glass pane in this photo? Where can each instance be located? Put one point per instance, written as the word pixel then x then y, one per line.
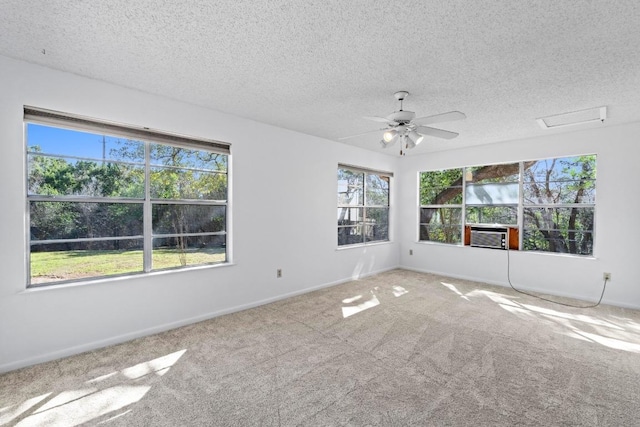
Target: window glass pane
pixel 348 216
pixel 73 143
pixel 377 190
pixel 441 196
pixel 440 233
pixel 172 183
pixel 553 192
pixel 351 235
pixel 53 176
pixel 181 251
pixel 377 232
pixel 561 169
pixel 166 155
pixel 377 224
pixel 442 178
pixel 492 194
pixel 566 230
pixel 55 262
pixel 579 242
pixel 549 218
pixel 493 173
pixel 441 215
pixel 181 219
pixel 350 188
pixel 441 187
pixel 441 224
pixel 507 215
pixel 73 220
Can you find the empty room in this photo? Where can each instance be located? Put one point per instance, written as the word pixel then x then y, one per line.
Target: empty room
pixel 319 213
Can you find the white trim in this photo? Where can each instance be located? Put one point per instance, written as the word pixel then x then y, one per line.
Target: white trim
pixel 364 245
pixel 359 169
pixel 70 351
pixel 97 280
pixel 505 284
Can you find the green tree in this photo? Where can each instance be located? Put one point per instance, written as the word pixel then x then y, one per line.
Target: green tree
pixel 563 181
pixel 560 181
pixel 52 176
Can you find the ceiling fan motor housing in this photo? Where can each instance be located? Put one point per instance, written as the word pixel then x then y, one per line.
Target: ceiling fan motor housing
pixel 402 116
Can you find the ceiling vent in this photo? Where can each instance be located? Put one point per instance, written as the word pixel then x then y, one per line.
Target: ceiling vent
pixel 573 118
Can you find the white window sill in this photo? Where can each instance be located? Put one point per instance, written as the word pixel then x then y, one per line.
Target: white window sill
pixel 134 276
pixel 364 245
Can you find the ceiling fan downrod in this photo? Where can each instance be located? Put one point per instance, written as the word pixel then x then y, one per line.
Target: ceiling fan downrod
pixel 400 96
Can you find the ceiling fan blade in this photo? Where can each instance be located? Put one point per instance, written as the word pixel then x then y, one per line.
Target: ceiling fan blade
pixel 380 119
pixel 444 117
pixel 359 134
pixel 425 130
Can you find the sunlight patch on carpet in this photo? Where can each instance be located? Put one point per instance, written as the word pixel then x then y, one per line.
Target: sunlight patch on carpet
pixel 81 405
pixel 455 290
pixel 354 308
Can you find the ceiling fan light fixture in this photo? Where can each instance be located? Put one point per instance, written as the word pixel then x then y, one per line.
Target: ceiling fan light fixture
pixel 390 136
pixel 415 138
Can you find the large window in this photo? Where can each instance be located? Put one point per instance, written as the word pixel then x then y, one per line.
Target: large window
pixel 363 206
pixel 559 202
pixel 441 206
pixel 551 202
pixel 107 200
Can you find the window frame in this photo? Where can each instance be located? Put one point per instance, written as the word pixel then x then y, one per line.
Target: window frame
pixel 364 206
pixel 521 206
pixel 444 206
pixel 557 206
pixel 148 138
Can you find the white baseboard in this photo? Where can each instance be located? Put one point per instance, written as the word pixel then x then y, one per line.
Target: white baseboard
pixel 505 284
pixel 70 351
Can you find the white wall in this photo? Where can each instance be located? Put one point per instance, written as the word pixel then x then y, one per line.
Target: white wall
pixel 617 238
pixel 283 216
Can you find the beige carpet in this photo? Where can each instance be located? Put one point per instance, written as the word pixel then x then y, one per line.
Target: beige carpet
pixel 400 348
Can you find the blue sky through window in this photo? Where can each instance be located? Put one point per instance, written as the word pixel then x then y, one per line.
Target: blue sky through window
pixel 52 140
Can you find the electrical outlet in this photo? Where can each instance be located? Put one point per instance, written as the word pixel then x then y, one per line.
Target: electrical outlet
pixel 279 272
pixel 606 276
pixel 410 251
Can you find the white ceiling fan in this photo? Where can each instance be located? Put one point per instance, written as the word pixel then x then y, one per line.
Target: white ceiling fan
pixel 404 126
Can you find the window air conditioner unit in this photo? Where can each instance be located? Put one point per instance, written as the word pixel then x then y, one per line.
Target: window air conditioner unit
pixel 489 237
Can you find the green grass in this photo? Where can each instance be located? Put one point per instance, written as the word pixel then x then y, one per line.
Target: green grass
pixel 69 265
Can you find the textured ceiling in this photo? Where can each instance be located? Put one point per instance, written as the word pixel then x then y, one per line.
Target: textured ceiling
pixel 319 66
